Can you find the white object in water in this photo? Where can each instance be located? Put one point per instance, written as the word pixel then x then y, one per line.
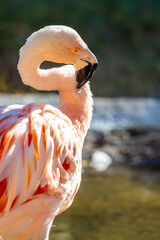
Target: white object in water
pixel 101 160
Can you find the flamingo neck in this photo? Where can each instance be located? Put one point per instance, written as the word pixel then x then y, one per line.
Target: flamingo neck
pixel 76 104
pixel 78 107
pixel 54 79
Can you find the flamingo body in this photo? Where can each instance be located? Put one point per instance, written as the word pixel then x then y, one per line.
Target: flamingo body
pixel 40 146
pixel 39 156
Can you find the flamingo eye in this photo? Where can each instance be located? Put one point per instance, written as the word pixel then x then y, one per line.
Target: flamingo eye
pixel 76 50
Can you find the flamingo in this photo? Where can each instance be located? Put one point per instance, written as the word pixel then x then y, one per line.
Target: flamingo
pixel 40 145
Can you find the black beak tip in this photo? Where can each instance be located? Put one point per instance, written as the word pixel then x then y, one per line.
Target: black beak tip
pixel 85 74
pixel 95 66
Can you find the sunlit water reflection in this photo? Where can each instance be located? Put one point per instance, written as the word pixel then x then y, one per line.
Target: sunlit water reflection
pixel 118 205
pixel 108 113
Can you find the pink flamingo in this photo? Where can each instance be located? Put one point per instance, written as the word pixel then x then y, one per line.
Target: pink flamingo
pixel 40 146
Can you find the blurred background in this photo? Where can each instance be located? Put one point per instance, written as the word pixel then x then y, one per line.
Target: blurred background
pixel 120 192
pixel 124 35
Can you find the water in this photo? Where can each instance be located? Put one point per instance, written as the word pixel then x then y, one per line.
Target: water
pixel 108 114
pixel 120 113
pixel 118 205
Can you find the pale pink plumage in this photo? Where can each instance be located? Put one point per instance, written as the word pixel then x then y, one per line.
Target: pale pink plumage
pixel 40 158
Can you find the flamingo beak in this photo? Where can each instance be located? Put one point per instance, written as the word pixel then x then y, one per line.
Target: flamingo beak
pixel 84 74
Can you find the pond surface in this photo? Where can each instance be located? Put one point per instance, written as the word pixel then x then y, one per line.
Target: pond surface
pixel 108 113
pixel 117 205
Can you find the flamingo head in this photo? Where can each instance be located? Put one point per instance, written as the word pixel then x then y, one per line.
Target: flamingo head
pixel 61 44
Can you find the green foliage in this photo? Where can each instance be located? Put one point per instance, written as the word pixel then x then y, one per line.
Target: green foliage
pixel 124 35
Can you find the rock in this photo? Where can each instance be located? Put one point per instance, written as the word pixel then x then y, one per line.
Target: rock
pixel 101 161
pixel 137 147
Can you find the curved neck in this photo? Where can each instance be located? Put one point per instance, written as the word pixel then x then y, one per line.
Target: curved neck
pixel 54 79
pixel 76 104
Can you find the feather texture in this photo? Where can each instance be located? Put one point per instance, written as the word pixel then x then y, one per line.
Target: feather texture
pixel 38 153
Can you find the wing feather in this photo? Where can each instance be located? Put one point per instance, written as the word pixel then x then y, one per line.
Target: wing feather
pixel 37 152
